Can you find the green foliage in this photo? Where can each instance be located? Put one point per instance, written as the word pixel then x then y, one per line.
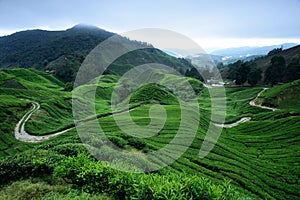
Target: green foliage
pixel 260 157
pixel 274 51
pixel 55 112
pixel 242 73
pixel 84 172
pixel 68 86
pixel 98 177
pixel 232 70
pixel 28 164
pixel 153 93
pixel 137 143
pixel 275 72
pixel 62 52
pixel 254 76
pixel 284 96
pixel 120 142
pixel 193 73
pixel 70 149
pixel 293 70
pixel 272 66
pixel 42 190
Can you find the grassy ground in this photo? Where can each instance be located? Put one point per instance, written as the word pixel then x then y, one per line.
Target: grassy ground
pixel 261 157
pixel 20 85
pixel 284 96
pixel 39 189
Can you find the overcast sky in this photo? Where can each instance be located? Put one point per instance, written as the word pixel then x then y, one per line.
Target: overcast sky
pixel 212 23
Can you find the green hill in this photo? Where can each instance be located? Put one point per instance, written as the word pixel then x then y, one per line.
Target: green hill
pixel 291 69
pixel 20 86
pixel 259 157
pixel 284 96
pixel 62 52
pixel 36 162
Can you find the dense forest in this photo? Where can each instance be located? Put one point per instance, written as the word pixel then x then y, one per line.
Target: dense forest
pixel 279 66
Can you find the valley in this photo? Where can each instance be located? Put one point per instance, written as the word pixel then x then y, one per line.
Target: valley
pixel 259 156
pixel 121 138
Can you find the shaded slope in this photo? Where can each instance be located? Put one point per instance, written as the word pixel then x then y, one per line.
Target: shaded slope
pixel 62 52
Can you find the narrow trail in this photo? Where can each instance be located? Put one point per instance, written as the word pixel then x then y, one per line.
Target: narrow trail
pixel 252 102
pixel 242 120
pixel 246 119
pixel 22 135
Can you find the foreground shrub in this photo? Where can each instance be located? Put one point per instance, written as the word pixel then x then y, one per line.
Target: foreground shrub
pixel 28 164
pixel 70 149
pixel 84 172
pixel 99 177
pixel 40 190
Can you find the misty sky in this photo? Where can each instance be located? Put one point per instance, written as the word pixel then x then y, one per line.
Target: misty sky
pixel 212 23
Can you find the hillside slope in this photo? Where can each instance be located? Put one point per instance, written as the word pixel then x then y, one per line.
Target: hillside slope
pixel 291 69
pixel 62 52
pixel 260 157
pixel 287 54
pixel 284 96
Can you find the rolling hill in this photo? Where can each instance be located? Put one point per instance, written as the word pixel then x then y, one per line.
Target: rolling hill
pixel 260 157
pixel 283 97
pixel 291 57
pixel 256 159
pixel 62 52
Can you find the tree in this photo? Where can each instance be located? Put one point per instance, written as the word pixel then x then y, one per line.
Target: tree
pixel 271 75
pixel 275 72
pixel 242 73
pixel 278 62
pixel 293 70
pixel 193 72
pixel 275 51
pixel 233 67
pixel 254 76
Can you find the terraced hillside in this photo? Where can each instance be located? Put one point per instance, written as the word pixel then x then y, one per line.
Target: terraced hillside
pixel 20 86
pixel 261 157
pixel 283 97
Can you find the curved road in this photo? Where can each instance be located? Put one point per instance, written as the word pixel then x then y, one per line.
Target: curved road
pixel 252 103
pixel 22 135
pixel 246 119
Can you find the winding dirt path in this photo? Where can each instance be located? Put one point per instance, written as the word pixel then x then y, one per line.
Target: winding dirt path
pixel 252 102
pixel 242 120
pixel 246 119
pixel 22 135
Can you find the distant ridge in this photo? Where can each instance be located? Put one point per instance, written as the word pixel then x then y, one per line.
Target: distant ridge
pixel 249 51
pixel 62 52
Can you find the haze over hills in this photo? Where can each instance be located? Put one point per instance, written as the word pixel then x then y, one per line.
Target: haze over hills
pixel 230 55
pixel 256 158
pixel 291 63
pixel 250 51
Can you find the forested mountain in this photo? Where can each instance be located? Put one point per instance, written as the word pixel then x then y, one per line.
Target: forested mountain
pixel 62 52
pixel 276 67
